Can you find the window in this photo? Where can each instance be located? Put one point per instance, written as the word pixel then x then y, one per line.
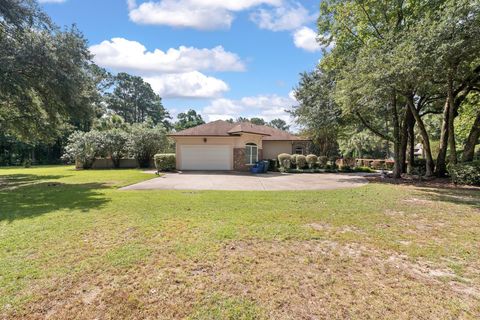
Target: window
pixel 251 153
pixel 298 150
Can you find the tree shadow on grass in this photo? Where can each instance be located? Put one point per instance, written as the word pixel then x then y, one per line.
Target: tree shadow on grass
pixel 461 196
pixel 28 196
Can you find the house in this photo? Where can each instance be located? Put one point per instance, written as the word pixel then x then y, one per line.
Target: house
pixel 222 145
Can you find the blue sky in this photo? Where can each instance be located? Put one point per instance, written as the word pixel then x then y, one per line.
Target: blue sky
pixel 223 58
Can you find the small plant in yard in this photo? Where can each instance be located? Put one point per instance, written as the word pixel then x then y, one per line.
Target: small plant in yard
pixel 322 161
pixel 165 161
pixel 293 159
pixel 312 161
pixel 301 161
pixel 465 173
pixel 284 160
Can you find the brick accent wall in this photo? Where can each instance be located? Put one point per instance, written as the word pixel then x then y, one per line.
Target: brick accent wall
pixel 239 159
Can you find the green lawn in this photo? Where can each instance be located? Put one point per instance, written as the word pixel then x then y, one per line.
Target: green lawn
pixel 74 246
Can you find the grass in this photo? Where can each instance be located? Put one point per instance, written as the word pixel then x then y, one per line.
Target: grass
pixel 74 246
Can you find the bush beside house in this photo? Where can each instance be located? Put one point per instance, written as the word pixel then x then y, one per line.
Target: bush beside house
pixel 139 141
pixel 165 162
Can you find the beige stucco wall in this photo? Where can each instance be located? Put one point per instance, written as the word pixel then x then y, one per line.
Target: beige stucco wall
pixel 233 142
pixel 271 149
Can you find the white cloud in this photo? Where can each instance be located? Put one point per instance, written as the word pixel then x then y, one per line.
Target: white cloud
pixel 51 1
pixel 282 18
pixel 265 106
pixel 174 73
pixel 123 54
pixel 198 14
pixel 187 85
pixel 305 38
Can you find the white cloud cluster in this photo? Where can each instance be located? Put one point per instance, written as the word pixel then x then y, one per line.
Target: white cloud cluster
pixel 173 73
pixel 187 85
pixel 305 38
pixel 266 106
pixel 120 53
pixel 282 18
pixel 198 14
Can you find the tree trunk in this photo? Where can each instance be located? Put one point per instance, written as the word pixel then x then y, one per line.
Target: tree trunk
pixel 451 118
pixel 472 141
pixel 404 140
pixel 430 166
pixel 397 140
pixel 441 168
pixel 411 143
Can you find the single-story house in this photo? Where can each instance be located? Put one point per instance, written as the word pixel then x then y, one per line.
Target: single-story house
pixel 222 145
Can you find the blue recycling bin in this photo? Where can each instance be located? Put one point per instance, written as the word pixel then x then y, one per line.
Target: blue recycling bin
pixel 258 167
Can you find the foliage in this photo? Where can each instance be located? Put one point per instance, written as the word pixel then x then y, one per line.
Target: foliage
pixel 165 161
pixel 284 160
pixel 465 173
pixel 393 69
pixel 300 161
pixel 114 145
pixel 84 147
pixel 322 161
pixel 258 121
pixel 279 124
pixel 311 160
pixel 378 164
pixel 145 141
pixel 46 75
pixel 317 113
pixel 188 119
pixel 135 101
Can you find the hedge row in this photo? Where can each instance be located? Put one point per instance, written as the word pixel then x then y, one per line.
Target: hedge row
pixel 465 173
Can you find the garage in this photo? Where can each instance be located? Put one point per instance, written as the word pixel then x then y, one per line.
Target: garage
pixel 206 157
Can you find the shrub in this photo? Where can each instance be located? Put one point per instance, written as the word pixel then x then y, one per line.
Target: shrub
pixel 284 160
pixel 389 164
pixel 322 161
pixel 363 169
pixel 272 165
pixel 465 173
pixel 419 167
pixel 144 142
pixel 344 168
pixel 312 160
pixel 115 145
pixel 301 161
pixel 293 159
pixel 165 161
pixel 378 164
pixel 84 147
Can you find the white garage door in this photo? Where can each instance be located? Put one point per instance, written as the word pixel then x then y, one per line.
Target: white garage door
pixel 206 157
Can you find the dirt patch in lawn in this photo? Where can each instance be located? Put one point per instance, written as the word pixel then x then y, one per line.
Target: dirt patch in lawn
pixel 315 279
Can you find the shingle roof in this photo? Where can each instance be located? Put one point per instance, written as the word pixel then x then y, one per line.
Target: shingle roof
pixel 224 128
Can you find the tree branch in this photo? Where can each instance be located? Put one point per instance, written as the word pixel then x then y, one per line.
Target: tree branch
pixel 369 127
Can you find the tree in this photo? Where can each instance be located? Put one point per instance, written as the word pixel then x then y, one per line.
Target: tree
pixel 135 101
pixel 145 141
pixel 188 119
pixel 395 62
pixel 257 121
pixel 317 113
pixel 279 124
pixel 84 147
pixel 114 145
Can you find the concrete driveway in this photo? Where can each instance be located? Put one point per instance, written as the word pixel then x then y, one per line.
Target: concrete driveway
pixel 246 181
